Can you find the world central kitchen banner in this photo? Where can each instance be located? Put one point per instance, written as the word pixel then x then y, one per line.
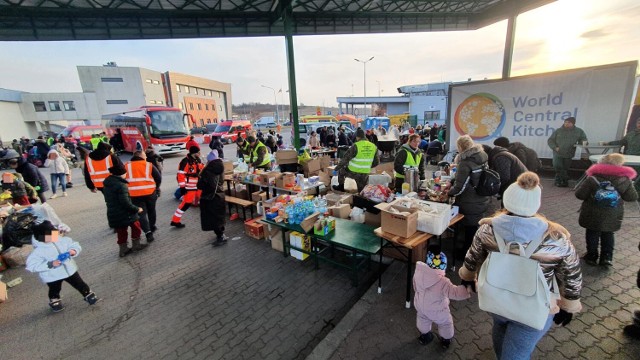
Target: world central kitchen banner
pixel 529 109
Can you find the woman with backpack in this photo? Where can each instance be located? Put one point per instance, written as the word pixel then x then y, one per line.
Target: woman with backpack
pixel 520 223
pixel 472 205
pixel 603 193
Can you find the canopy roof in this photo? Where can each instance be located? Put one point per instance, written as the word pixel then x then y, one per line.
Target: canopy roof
pixel 36 20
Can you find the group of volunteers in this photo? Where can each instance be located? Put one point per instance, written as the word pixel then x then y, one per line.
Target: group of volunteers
pixel 130 191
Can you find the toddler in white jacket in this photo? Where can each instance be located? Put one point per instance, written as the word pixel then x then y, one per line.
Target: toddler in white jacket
pixel 52 259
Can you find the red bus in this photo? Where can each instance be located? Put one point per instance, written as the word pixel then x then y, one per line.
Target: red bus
pixel 163 128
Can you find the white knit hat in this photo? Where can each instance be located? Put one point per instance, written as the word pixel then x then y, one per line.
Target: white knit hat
pixel 523 196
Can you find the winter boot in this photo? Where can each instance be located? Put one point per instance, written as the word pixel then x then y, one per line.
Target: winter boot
pixel 219 241
pixel 91 298
pixel 179 225
pixel 606 259
pixel 425 339
pixel 136 245
pixel 124 250
pixel 56 305
pixel 445 343
pixel 591 258
pixel 223 238
pixel 150 237
pixel 632 331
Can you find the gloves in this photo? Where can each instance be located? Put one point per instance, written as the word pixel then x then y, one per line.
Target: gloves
pixel 64 256
pixel 562 318
pixel 471 284
pixel 183 191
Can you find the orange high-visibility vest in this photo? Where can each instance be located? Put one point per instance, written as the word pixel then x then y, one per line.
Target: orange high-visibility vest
pixel 140 180
pixel 98 170
pixel 188 176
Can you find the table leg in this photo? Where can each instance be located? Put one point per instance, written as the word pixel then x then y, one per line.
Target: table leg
pixel 409 263
pixel 354 267
pixel 285 250
pixel 380 268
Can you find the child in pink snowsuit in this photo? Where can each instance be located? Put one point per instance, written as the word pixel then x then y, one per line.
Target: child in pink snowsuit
pixel 432 293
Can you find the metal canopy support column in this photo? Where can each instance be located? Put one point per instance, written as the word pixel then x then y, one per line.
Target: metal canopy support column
pixel 508 47
pixel 291 67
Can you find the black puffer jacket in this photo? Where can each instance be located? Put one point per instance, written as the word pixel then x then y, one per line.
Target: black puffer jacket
pixel 472 205
pixel 599 218
pixel 32 175
pixel 120 210
pixel 528 156
pixel 507 165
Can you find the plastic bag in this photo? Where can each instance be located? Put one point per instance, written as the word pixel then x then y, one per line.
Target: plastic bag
pixel 377 193
pixel 17 230
pixel 357 215
pixel 17 256
pixel 334 181
pixel 350 185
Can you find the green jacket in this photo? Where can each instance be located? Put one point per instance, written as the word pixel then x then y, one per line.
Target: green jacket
pixel 120 210
pixel 566 140
pixel 631 143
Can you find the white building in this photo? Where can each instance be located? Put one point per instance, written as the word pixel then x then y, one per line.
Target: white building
pixel 12 122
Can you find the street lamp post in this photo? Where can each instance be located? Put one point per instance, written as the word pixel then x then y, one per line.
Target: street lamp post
pixel 275 99
pixel 364 62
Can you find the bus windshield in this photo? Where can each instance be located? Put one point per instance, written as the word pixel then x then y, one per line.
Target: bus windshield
pixel 222 129
pixel 167 123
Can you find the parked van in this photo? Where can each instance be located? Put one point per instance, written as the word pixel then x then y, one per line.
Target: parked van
pixel 266 122
pixel 84 132
pixel 229 130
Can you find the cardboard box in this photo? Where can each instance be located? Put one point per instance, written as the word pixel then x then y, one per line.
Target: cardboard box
pixel 325 177
pixel 286 178
pixel 307 223
pixel 372 219
pixel 311 167
pixel 254 228
pixel 398 224
pixel 419 253
pixel 269 178
pixel 341 211
pixel 3 292
pixel 324 227
pixel 228 166
pixel 338 198
pixel 325 161
pixel 275 237
pixel 242 194
pixel 300 241
pixel 259 196
pixel 287 157
pixel 388 167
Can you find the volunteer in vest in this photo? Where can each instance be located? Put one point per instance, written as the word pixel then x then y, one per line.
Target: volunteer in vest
pixel 188 172
pixel 243 149
pixel 520 222
pixel 260 155
pixel 144 182
pixel 409 155
pixel 601 220
pixel 357 162
pixel 104 138
pixel 97 164
pixel 95 141
pixel 563 142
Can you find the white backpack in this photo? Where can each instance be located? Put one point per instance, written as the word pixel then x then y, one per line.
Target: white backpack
pixel 513 286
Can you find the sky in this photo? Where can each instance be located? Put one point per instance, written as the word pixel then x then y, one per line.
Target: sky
pixel 565 34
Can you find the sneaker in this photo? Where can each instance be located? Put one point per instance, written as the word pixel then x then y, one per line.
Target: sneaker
pixel 64 193
pixel 53 196
pixel 218 242
pixel 606 262
pixel 69 185
pixel 445 343
pixel 56 305
pixel 178 224
pixel 223 238
pixel 425 339
pixel 591 259
pixel 149 236
pixel 92 298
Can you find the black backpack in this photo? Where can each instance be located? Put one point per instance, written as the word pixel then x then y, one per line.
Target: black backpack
pixel 488 183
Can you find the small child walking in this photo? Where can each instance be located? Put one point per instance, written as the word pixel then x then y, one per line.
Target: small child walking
pixel 52 259
pixel 432 293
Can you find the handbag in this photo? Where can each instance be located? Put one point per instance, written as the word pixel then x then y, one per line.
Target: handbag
pixel 513 286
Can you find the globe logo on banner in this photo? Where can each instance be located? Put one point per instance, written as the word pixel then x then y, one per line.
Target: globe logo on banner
pixel 480 116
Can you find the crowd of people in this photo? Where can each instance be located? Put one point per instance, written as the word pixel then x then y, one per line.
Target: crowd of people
pixel 131 190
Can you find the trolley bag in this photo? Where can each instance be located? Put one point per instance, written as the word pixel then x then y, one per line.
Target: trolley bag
pixel 513 286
